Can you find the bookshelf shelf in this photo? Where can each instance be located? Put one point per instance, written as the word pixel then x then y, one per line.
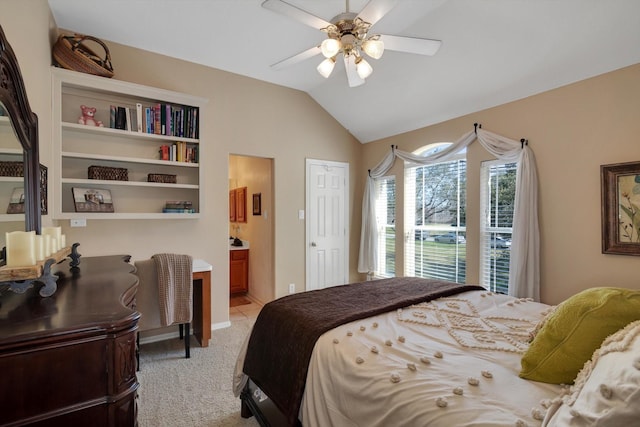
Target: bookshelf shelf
pixel 124 133
pixel 138 149
pixel 101 182
pixel 108 158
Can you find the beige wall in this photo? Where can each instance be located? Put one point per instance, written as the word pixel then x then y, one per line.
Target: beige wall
pixel 244 116
pixel 572 131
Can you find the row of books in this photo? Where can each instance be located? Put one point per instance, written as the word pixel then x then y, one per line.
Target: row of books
pixel 159 119
pixel 179 151
pixel 178 206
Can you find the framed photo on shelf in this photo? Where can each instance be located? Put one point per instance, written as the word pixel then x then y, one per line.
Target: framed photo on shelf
pixel 92 200
pixel 620 208
pixel 16 202
pixel 257 203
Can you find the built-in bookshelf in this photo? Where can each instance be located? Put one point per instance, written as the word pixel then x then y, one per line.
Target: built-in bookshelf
pixel 10 151
pixel 151 148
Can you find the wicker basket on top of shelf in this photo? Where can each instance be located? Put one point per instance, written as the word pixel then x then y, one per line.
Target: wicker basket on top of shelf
pixel 108 173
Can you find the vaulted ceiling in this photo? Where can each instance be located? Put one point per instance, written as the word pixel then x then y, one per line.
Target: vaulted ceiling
pixel 493 51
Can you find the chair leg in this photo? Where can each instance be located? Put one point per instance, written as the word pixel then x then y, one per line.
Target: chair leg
pixel 180 328
pixel 187 347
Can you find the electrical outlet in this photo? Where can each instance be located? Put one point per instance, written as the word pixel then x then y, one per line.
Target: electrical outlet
pixel 81 222
pixel 292 288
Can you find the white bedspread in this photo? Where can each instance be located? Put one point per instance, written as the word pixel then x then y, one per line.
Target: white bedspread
pixel 348 384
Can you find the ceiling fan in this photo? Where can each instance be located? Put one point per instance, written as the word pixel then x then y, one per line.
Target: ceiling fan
pixel 348 34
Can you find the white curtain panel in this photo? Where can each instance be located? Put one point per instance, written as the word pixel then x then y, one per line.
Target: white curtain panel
pixel 524 267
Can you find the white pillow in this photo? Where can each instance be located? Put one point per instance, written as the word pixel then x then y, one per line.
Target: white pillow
pixel 607 389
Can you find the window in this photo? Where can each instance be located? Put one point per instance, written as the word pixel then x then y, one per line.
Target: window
pixel 385 189
pixel 435 215
pixel 497 198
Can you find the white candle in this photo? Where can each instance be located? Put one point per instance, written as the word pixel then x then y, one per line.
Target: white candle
pixel 55 233
pixel 63 241
pixel 39 248
pixel 47 245
pixel 21 248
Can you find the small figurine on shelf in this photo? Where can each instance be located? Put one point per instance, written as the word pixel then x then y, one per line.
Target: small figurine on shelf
pixel 87 118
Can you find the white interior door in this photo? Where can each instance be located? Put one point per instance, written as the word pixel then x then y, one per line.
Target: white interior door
pixel 327 239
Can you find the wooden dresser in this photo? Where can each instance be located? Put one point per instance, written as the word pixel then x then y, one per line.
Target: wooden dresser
pixel 69 359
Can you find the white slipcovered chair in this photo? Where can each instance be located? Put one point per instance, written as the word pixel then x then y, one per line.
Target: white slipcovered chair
pixel 153 309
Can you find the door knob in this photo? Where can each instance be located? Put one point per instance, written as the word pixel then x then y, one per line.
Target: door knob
pixel 313 244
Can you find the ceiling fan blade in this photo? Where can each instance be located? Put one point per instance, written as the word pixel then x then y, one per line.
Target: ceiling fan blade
pixel 375 10
pixel 411 44
pixel 297 58
pixel 352 75
pixel 293 12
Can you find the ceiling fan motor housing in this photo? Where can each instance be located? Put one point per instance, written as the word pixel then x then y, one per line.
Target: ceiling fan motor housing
pixel 349 30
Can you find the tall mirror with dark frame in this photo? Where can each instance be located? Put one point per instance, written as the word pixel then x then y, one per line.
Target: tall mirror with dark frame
pixel 19 152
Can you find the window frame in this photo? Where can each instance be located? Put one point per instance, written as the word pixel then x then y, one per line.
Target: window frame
pixel 410 196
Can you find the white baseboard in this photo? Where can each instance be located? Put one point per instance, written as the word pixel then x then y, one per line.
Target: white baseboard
pixel 160 337
pixel 220 325
pixel 176 334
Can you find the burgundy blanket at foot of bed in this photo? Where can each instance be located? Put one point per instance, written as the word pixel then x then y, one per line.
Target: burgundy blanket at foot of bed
pixel 286 329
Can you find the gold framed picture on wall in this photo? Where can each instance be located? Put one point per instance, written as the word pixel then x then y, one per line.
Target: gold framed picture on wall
pixel 620 192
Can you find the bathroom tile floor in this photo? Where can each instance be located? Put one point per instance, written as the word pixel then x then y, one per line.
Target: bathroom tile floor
pixel 244 311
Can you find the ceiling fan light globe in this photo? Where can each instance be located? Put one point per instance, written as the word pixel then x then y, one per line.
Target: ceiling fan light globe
pixel 373 48
pixel 363 68
pixel 326 67
pixel 330 47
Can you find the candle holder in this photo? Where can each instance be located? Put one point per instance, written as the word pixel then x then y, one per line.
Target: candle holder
pixel 19 279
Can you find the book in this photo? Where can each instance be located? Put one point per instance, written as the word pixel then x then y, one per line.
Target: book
pixel 147 121
pixel 127 111
pixel 169 124
pixel 156 120
pixel 172 210
pixel 164 152
pixel 121 118
pixel 139 122
pixel 163 119
pixel 179 204
pixel 112 116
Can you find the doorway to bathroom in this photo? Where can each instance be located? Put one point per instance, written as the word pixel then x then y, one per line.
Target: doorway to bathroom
pixel 251 225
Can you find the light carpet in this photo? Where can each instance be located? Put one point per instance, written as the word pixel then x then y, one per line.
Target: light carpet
pixel 195 392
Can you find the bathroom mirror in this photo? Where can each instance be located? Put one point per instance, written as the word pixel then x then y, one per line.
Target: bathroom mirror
pixel 15 106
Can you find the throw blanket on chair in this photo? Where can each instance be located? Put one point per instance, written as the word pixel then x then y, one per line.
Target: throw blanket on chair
pixel 175 287
pixel 286 329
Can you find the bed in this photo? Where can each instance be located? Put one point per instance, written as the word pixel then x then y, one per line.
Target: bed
pixel 414 352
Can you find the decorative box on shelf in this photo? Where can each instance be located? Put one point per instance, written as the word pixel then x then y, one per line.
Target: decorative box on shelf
pixel 162 177
pixel 108 173
pixel 12 168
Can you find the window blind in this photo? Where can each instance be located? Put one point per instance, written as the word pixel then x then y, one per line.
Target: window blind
pixel 497 197
pixel 385 207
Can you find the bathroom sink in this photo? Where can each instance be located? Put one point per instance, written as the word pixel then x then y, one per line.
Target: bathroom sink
pixel 245 245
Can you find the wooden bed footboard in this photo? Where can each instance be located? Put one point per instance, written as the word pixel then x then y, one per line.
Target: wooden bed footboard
pixel 256 403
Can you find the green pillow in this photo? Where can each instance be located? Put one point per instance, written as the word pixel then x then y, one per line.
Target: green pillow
pixel 575 330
